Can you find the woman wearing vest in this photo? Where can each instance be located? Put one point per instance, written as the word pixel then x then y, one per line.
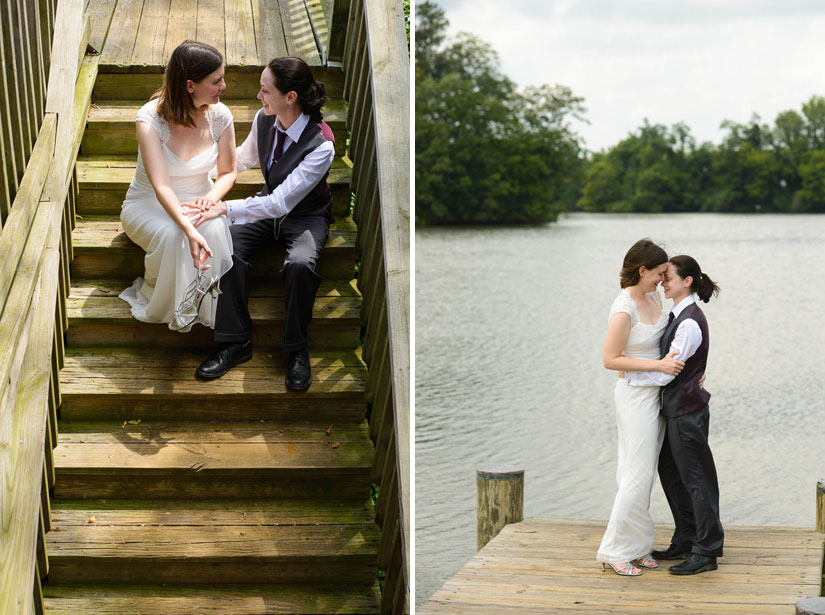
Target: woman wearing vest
pixel 295 149
pixel 686 468
pixel 634 333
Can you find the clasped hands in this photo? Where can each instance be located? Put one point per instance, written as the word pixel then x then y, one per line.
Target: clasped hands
pixel 203 209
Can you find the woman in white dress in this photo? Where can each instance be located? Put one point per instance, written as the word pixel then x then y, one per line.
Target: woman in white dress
pixel 637 322
pixel 182 133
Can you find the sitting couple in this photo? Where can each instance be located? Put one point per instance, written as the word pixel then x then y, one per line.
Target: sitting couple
pixel 662 414
pixel 193 239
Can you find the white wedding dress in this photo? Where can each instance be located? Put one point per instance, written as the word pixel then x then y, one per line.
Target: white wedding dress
pixel 169 269
pixel 641 429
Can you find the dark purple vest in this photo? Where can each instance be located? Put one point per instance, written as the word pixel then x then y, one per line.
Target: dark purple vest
pixel 684 395
pixel 319 201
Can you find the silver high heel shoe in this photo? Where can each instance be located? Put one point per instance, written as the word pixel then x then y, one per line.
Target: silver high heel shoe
pixel 187 311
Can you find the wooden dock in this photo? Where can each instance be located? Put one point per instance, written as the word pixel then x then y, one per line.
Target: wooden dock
pixel 548 566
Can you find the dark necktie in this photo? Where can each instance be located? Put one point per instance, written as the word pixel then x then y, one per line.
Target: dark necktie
pixel 670 318
pixel 279 146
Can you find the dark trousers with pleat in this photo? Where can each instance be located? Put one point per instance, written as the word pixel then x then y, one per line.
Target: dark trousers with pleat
pixel 304 239
pixel 688 477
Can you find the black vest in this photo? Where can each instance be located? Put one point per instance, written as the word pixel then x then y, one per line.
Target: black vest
pixel 684 395
pixel 319 200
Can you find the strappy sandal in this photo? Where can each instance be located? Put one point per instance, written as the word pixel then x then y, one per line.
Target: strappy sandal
pixel 624 569
pixel 647 562
pixel 190 306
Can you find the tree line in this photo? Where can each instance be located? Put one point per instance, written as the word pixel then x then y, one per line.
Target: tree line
pixel 487 153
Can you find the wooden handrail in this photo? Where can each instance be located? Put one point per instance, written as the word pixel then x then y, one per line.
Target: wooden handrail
pixel 376 67
pixel 33 281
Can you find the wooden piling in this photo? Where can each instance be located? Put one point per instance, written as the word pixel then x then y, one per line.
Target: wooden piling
pixel 499 501
pixel 820 506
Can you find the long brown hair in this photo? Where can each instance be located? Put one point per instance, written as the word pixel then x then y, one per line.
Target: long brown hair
pixel 190 60
pixel 643 253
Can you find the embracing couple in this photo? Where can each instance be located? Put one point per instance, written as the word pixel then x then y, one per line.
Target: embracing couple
pixel 193 239
pixel 662 414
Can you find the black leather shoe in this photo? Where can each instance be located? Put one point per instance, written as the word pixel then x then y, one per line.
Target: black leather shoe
pixel 219 363
pixel 298 373
pixel 695 564
pixel 672 552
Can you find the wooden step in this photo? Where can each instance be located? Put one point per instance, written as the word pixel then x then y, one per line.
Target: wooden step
pixel 132 383
pixel 110 127
pixel 104 179
pixel 262 600
pixel 102 250
pixel 252 459
pixel 235 544
pixel 131 82
pixel 98 317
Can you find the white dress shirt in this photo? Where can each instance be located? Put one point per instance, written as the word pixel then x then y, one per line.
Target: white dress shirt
pixel 293 189
pixel 687 340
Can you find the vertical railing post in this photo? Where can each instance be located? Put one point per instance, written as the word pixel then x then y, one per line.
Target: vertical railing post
pixel 820 507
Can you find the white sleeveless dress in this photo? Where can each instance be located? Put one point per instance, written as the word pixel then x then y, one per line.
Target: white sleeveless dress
pixel 168 263
pixel 641 431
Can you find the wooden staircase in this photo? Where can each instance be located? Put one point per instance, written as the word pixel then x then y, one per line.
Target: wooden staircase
pixel 174 495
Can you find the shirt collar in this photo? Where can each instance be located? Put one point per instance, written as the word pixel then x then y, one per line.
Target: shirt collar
pixel 680 307
pixel 294 131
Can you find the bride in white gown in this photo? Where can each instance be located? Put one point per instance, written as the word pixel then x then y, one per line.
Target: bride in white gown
pixel 181 135
pixel 637 322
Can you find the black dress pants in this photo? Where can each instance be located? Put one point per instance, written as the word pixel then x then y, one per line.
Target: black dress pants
pixel 688 477
pixel 304 238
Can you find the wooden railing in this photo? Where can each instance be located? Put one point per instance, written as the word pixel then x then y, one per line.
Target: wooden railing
pixel 44 42
pixel 376 68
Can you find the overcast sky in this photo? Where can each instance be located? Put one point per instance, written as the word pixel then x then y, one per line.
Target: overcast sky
pixel 697 61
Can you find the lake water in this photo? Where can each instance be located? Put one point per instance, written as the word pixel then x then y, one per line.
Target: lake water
pixel 510 324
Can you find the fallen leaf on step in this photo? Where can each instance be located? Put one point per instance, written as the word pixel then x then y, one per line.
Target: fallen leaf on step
pixel 269 356
pixel 336 444
pixel 134 421
pixel 124 425
pixel 329 429
pixel 92 520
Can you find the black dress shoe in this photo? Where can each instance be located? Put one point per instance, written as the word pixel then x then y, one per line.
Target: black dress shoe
pixel 672 552
pixel 298 373
pixel 695 564
pixel 219 363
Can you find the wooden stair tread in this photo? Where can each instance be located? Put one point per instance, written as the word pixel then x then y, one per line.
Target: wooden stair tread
pixel 120 114
pixel 116 172
pixel 158 447
pixel 106 233
pixel 264 600
pixel 213 543
pixel 112 309
pixel 136 372
pixel 319 511
pixel 86 288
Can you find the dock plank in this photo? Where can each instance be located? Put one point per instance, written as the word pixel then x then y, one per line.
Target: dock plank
pixel 240 34
pixel 211 24
pixel 151 36
pixel 269 32
pixel 183 25
pixel 120 42
pixel 548 566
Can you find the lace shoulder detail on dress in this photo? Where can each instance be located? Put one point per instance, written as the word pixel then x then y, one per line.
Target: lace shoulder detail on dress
pixel 149 113
pixel 624 303
pixel 219 118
